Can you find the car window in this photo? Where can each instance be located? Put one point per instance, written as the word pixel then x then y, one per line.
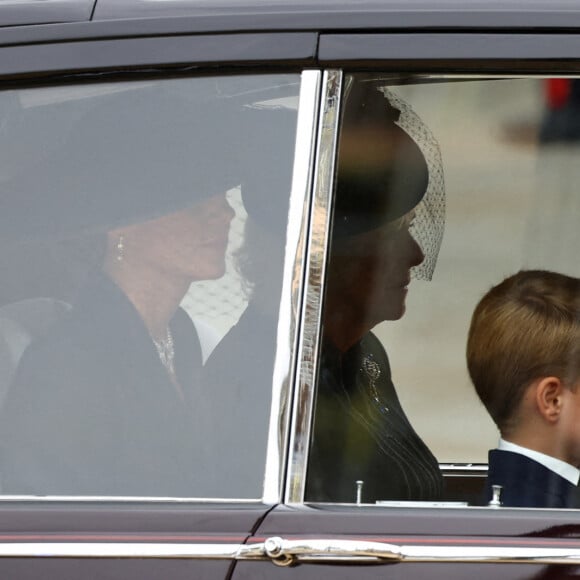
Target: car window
pixel 444 187
pixel 143 231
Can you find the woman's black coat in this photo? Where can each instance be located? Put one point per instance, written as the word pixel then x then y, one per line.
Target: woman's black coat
pixel 92 410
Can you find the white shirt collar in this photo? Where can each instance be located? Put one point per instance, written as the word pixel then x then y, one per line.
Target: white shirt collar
pixel 565 470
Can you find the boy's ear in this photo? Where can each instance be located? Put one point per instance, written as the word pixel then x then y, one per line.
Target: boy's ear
pixel 549 398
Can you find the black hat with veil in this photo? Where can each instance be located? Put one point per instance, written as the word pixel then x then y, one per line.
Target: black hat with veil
pixel 389 164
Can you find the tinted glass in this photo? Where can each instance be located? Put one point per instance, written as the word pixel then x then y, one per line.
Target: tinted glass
pixel 143 227
pixel 444 189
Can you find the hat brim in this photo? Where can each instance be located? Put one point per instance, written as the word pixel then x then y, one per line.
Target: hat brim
pixel 133 157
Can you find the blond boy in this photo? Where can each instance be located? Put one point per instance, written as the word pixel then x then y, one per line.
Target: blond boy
pixel 523 356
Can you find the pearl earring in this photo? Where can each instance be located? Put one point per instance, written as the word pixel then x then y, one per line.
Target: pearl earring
pixel 120 248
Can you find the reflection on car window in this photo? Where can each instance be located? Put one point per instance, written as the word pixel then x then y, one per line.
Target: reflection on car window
pixel 121 217
pixel 396 418
pixel 361 432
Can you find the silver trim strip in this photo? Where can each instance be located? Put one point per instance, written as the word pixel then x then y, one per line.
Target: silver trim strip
pixel 292 286
pixel 474 468
pixel 315 268
pixel 289 552
pixel 127 550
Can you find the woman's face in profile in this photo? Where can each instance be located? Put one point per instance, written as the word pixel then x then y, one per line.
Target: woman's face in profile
pixel 372 270
pixel 190 243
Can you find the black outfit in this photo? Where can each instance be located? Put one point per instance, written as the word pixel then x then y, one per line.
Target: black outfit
pixel 527 483
pixel 92 410
pixel 238 379
pixel 362 433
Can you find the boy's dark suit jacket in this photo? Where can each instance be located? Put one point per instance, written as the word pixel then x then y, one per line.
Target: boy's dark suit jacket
pixel 527 483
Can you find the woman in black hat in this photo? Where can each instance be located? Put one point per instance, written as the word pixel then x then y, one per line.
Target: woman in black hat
pixel 387 190
pixel 105 403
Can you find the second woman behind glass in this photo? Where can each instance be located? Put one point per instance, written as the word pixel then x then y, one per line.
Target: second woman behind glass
pixel 361 432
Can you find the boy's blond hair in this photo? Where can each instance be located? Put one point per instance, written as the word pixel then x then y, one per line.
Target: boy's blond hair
pixel 525 328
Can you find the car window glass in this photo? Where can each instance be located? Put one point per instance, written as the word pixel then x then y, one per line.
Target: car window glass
pixel 442 190
pixel 143 227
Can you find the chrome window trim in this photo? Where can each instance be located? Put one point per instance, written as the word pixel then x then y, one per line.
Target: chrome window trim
pixel 124 499
pixel 315 270
pixel 288 321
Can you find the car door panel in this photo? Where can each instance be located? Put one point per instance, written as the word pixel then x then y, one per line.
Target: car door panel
pixel 338 540
pixel 129 541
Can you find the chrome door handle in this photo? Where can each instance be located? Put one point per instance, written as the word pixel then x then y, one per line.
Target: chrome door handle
pixel 289 552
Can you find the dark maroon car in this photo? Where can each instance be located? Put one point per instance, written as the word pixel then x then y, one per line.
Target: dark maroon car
pixel 241 246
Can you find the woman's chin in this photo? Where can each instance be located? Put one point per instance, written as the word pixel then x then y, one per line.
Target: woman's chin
pixel 394 305
pixel 395 312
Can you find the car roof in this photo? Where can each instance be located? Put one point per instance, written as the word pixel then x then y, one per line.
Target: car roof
pixel 352 14
pixel 360 15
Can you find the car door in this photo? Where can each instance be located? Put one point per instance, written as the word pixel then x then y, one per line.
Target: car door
pixel 97 136
pixel 488 101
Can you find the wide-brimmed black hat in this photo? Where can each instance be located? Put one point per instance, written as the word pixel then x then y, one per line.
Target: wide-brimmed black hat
pixel 135 155
pixel 382 173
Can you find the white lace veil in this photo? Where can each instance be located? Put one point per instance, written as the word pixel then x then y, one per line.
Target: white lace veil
pixel 429 221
